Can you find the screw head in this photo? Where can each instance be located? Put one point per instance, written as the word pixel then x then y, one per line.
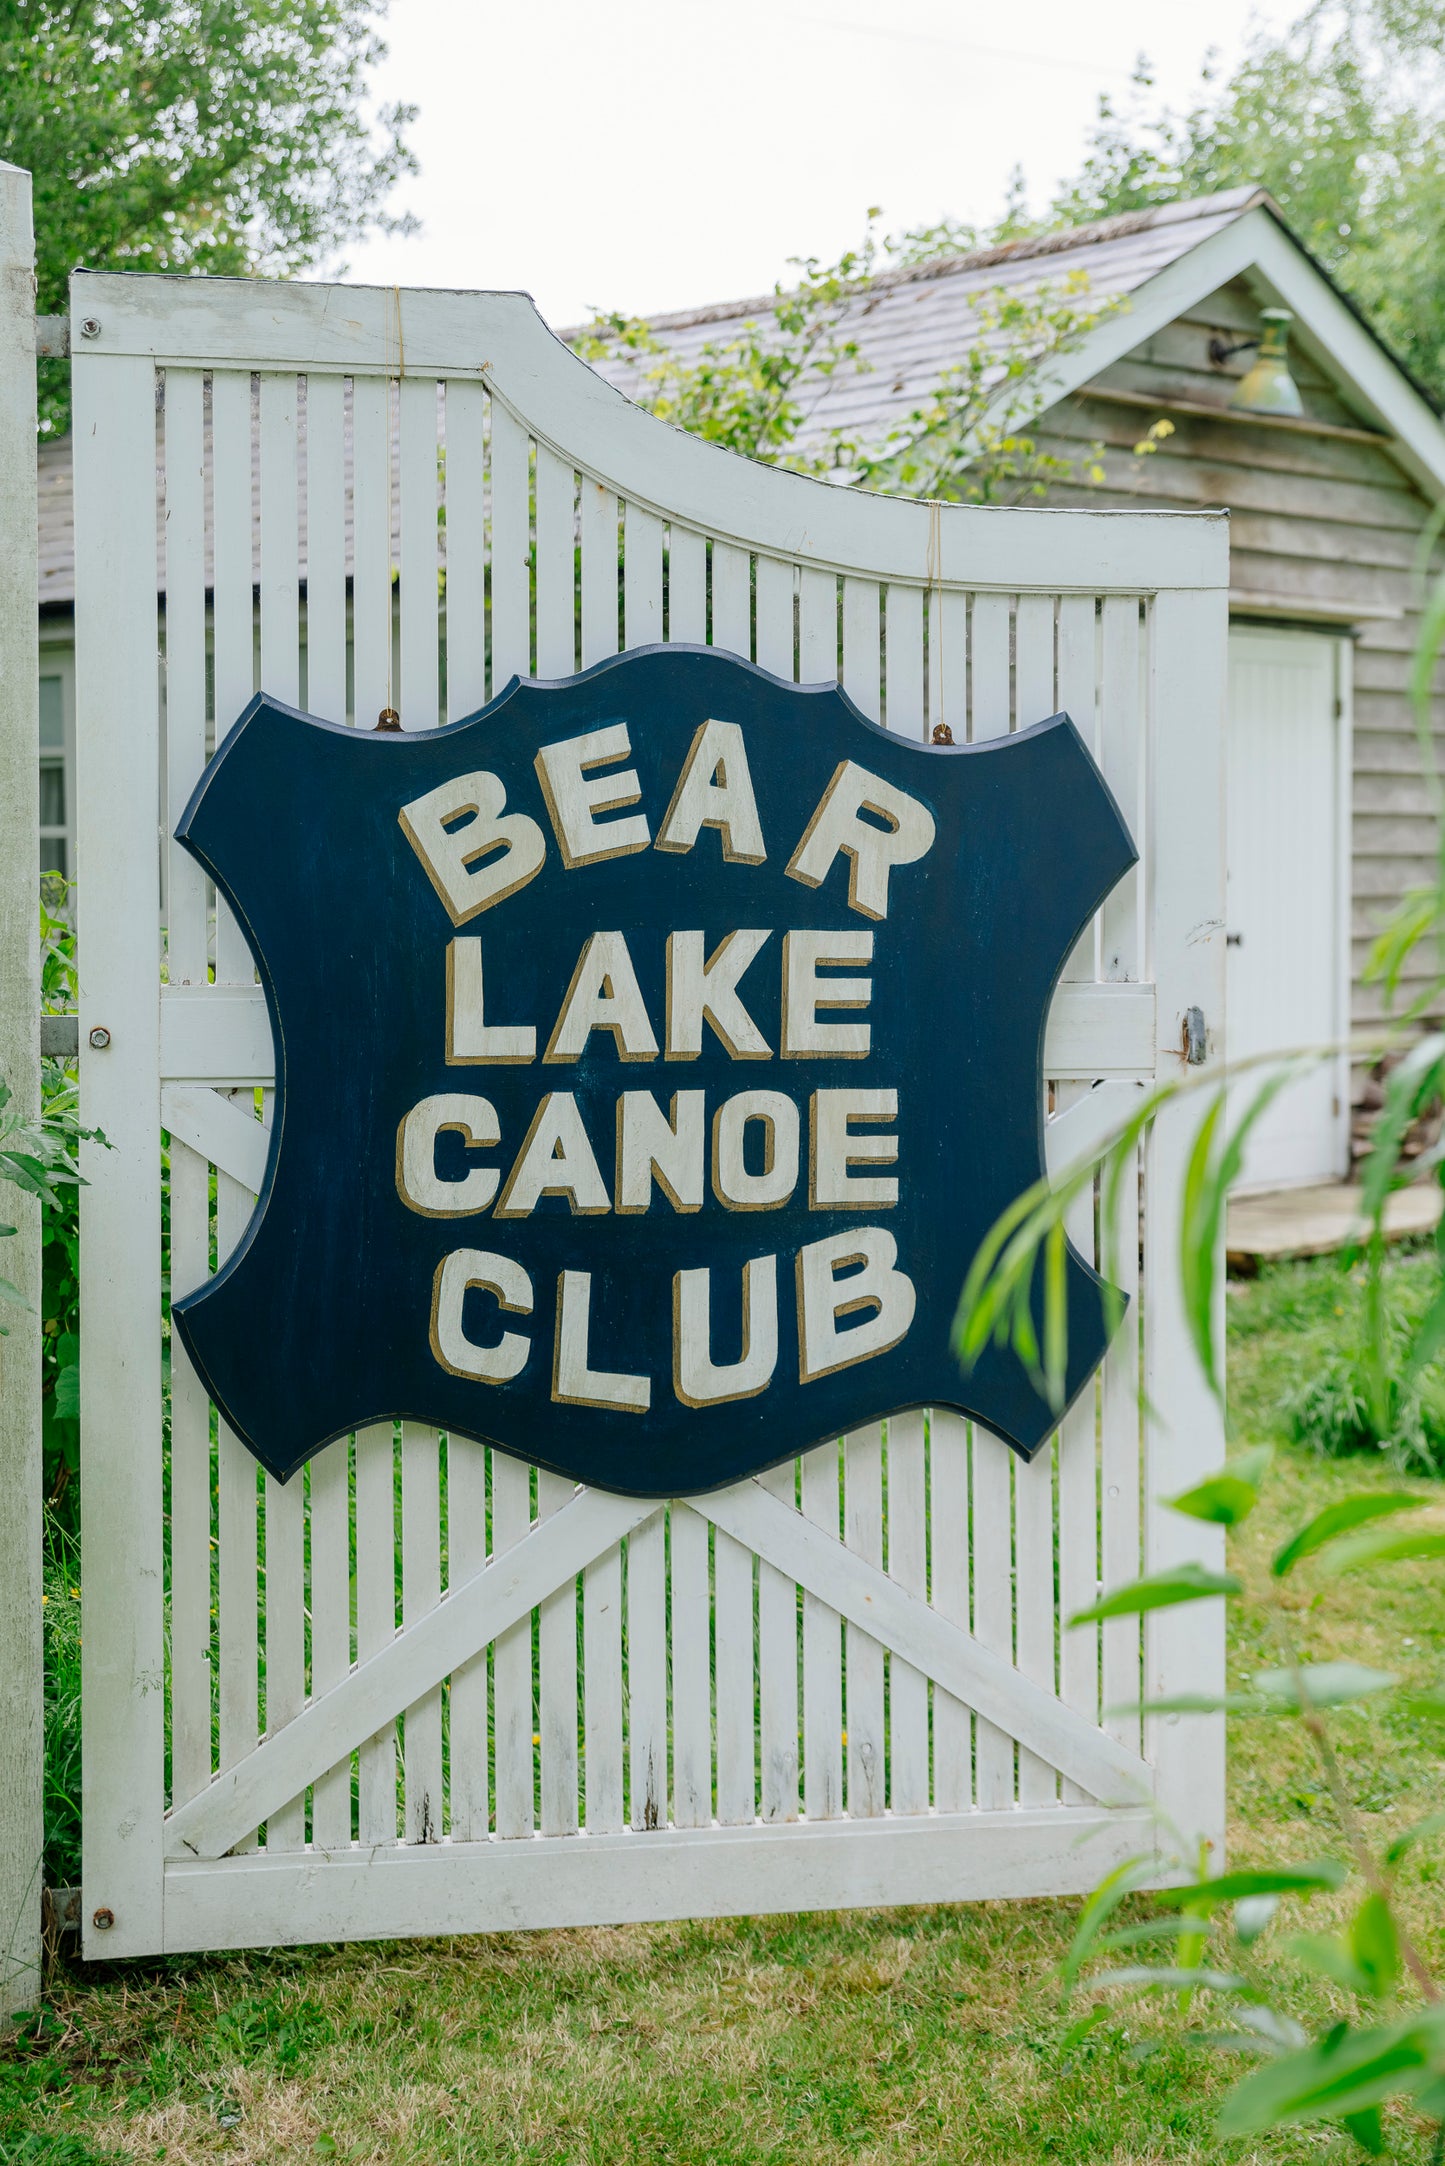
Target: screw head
pixel 90 327
pixel 100 1037
pixel 102 1920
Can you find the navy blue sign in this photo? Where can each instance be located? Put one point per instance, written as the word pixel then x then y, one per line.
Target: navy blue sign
pixel 653 1049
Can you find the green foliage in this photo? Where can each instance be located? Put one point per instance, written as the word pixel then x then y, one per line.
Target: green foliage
pixel 229 136
pixel 62 1706
pixel 755 391
pixel 1342 119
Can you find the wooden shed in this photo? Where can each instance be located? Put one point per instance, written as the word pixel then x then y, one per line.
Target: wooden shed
pixel 1329 821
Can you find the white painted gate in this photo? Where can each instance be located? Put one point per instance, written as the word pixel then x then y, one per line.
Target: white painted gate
pixel 463 1695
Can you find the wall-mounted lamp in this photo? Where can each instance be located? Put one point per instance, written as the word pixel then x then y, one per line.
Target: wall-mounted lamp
pixel 1268 388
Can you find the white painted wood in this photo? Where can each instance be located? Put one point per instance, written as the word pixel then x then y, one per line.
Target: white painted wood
pixel 285 1535
pixel 1034 1604
pixel 862 646
pixel 602 1682
pixel 1093 1031
pixel 686 585
pixel 465 550
pixel 512 1659
pixel 1034 660
pixel 910 1627
pixel 1120 1472
pixel 677 1873
pixel 375 1624
pixel 863 1706
pixel 907 1563
pixel 216 1127
pixel 511 544
pixel 817 627
pixel 190 1492
pixel 731 600
pixel 418 568
pixel 773 608
pixel 325 484
pixel 732 1595
pixel 691 1589
pixel 405 1666
pixel 420 1594
pixel 822 1652
pixel 556 580
pixel 905 660
pixel 498 336
pixel 116 693
pixel 948 663
pixel 372 604
pixel 778 1665
pixel 185 629
pixel 597 513
pixel 557 1662
pixel 280 609
pixel 647 1673
pixel 993 1553
pixel 949 1552
pixel 1285 778
pixel 1184 1430
pixel 988 660
pixel 22 1686
pixel 642 577
pixel 1121 755
pixel 237 1544
pixel 329 1474
pixel 1077 1478
pixel 469 1766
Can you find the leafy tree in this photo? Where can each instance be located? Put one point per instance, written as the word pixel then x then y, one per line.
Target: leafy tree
pixel 1342 119
pixel 758 389
pixel 229 136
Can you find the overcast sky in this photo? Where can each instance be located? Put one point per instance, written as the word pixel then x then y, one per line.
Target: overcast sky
pixel 649 154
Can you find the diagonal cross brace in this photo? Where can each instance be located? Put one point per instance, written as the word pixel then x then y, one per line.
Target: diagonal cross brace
pixel 377 1690
pixel 910 1628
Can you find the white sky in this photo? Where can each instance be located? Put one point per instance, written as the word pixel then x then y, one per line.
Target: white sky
pixel 652 154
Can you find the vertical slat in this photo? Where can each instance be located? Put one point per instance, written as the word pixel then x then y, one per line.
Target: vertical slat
pixel 908 1564
pixel 817 627
pixel 556 565
pixel 598 515
pixel 731 601
pixel 1183 1649
pixel 1119 1469
pixel 732 1578
pixel 686 586
pixel 285 1509
pixel 774 607
pixel 236 1532
pixel 778 1667
pixel 691 1669
pixel 326 548
pixel 949 1540
pixel 602 1691
pixel 512 1660
pixel 464 482
pixel 641 577
pixel 1035 1606
pixel 862 646
pixel 948 662
pixel 417 398
pixel 647 1668
pixel 469 1785
pixel 280 551
pixel 371 548
pixel 421 1590
pixel 1121 756
pixel 863 1514
pixel 904 702
pixel 123 1743
pixel 330 1477
pixel 190 1494
pixel 992 1603
pixel 375 1454
pixel 1078 1504
pixel 988 640
pixel 284 1506
pixel 186 964
pixel 557 1662
pixel 991 1475
pixel 1033 660
pixel 511 549
pixel 1078 697
pixel 822 1655
pixel 329 1473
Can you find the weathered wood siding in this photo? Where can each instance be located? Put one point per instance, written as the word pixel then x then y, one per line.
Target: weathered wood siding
pixel 1321 516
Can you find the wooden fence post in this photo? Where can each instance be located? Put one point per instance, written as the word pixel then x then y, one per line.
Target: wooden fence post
pixel 22 1726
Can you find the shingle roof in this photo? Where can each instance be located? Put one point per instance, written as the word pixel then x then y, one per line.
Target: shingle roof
pixel 910 325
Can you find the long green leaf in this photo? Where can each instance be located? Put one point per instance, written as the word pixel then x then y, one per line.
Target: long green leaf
pixel 1323 1684
pixel 1162 1590
pixel 1341 1518
pixel 1421 1832
pixel 1389 1547
pixel 1100 1906
pixel 1343 2074
pixel 1308 1879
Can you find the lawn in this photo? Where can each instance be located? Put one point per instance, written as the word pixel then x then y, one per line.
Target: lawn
pixel 873 2037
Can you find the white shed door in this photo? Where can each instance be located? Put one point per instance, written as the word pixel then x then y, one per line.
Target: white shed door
pixel 1285 875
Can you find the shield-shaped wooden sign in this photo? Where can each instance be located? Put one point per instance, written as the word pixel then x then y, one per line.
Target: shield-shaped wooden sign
pixel 653 1050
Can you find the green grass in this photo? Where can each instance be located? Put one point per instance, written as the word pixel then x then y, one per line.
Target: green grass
pixel 885 2038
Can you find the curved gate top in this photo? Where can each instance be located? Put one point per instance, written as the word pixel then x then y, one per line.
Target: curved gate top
pixel 423 1686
